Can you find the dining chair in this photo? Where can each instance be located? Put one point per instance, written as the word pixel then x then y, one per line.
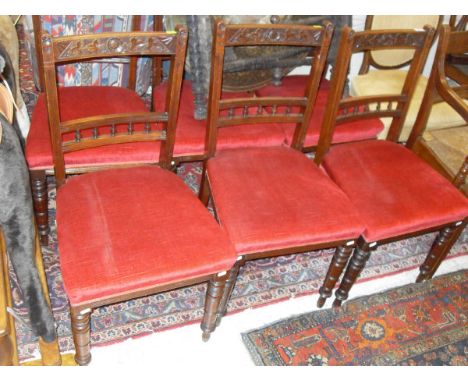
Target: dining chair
pixel 132 231
pixel 81 102
pixel 384 71
pixel 445 149
pixel 396 193
pixel 273 201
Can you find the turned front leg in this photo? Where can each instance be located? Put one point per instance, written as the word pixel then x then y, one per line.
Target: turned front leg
pixel 339 261
pixel 214 294
pixel 230 283
pixel 354 268
pixel 80 321
pixel 40 200
pixel 439 250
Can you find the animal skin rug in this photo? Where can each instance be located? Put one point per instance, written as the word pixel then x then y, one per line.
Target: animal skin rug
pixel 17 217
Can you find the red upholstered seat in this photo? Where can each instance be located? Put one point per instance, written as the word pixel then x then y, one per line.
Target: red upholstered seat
pixel 86 101
pixel 108 246
pixel 348 132
pixel 394 191
pixel 276 198
pixel 190 133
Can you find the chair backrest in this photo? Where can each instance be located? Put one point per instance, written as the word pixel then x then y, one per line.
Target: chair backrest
pixel 265 110
pixel 451 43
pixel 83 133
pixel 394 58
pixel 349 109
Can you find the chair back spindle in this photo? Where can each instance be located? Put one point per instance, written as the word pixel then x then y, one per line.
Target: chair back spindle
pixel 265 110
pixel 355 108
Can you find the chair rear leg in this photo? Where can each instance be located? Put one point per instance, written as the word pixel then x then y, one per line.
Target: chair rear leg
pixel 204 194
pixel 339 261
pixel 214 294
pixel 354 268
pixel 40 199
pixel 439 250
pixel 230 283
pixel 80 322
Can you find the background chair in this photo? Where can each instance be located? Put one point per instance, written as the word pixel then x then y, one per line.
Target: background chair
pixel 273 200
pixel 445 149
pixel 384 71
pixel 396 193
pixel 119 230
pixel 82 102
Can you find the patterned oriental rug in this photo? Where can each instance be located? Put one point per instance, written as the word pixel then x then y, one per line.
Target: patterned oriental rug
pixel 418 324
pixel 260 282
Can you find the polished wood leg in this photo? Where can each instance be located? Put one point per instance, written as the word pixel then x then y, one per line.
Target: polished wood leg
pixel 40 199
pixel 230 283
pixel 354 268
pixel 80 321
pixel 339 261
pixel 439 251
pixel 204 194
pixel 213 298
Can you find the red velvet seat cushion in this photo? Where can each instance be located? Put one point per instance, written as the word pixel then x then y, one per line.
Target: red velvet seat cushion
pixel 273 198
pixel 347 132
pixel 394 190
pixel 125 230
pixel 190 133
pixel 86 101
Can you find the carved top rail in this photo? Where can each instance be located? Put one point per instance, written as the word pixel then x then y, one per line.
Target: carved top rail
pixel 376 40
pixel 268 34
pixel 83 47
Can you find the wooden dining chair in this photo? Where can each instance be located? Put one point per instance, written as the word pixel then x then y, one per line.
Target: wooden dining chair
pixel 446 150
pixel 396 193
pixel 81 102
pixel 133 231
pixel 273 201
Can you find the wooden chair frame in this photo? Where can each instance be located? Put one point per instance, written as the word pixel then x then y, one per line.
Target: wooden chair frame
pixel 339 111
pixel 451 42
pixel 229 35
pixel 39 177
pixel 157 44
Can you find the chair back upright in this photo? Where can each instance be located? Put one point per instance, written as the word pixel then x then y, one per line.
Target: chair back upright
pixel 341 110
pixel 265 110
pixel 83 133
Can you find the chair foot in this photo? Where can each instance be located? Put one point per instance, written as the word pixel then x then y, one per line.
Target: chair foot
pixel 337 303
pixel 321 302
pixel 206 336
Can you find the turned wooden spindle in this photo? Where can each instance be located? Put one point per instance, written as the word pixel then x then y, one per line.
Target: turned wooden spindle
pixel 80 321
pixel 40 201
pixel 339 261
pixel 354 268
pixel 228 288
pixel 213 298
pixel 439 250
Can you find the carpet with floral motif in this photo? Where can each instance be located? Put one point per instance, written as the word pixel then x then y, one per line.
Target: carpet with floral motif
pixel 417 324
